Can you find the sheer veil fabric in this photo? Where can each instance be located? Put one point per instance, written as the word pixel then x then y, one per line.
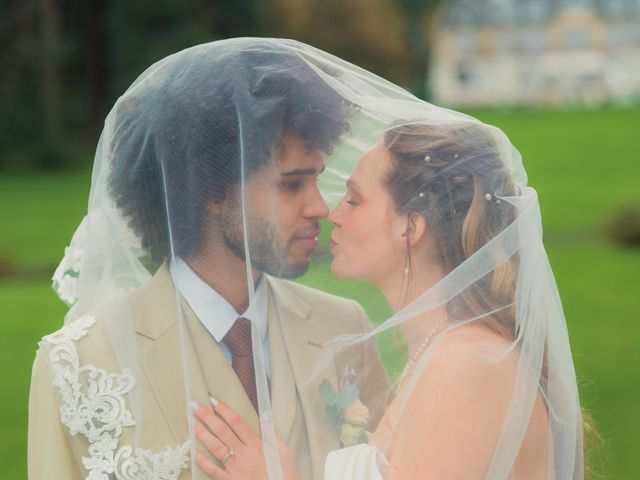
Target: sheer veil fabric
pixel 203 160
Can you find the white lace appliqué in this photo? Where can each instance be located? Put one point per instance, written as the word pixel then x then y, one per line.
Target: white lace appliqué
pixel 93 405
pixel 66 277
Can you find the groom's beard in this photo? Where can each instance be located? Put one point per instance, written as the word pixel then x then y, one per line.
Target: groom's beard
pixel 265 251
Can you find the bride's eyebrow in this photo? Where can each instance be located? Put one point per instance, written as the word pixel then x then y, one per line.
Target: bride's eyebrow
pixel 352 185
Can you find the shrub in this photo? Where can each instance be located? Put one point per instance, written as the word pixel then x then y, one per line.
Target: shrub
pixel 624 226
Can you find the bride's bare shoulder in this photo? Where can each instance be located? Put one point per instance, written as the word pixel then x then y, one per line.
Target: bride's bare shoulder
pixel 469 353
pixel 460 397
pixel 474 334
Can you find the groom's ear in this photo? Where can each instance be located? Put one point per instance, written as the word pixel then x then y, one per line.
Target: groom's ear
pixel 230 199
pixel 215 207
pixel 416 228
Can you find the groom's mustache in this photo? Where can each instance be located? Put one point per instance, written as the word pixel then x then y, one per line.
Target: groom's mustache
pixel 308 232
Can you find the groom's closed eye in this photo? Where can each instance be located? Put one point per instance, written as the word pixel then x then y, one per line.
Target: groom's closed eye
pixel 292 186
pixel 295 179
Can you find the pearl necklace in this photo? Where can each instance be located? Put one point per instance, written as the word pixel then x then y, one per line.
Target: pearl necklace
pixel 423 345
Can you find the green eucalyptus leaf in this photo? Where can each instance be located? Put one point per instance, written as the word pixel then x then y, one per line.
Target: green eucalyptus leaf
pixel 327 393
pixel 334 414
pixel 347 395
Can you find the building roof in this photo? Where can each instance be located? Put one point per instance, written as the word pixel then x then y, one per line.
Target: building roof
pixel 460 13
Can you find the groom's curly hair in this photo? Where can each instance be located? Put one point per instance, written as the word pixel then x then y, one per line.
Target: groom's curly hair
pixel 186 130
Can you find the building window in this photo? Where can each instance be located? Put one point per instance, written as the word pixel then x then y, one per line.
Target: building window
pixel 465 75
pixel 534 41
pixel 461 14
pixel 620 8
pixel 506 41
pixel 623 36
pixel 465 43
pixel 577 38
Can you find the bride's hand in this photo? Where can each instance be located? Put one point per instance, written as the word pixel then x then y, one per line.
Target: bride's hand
pixel 229 439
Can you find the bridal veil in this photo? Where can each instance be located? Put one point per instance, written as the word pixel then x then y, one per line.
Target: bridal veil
pixel 197 128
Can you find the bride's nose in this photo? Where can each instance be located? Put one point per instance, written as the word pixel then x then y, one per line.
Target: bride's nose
pixel 335 217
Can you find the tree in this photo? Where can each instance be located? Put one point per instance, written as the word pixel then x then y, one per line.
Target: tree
pixel 368 33
pixel 51 84
pixel 419 15
pixel 97 62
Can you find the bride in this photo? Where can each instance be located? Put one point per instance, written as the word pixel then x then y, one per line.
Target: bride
pixel 437 216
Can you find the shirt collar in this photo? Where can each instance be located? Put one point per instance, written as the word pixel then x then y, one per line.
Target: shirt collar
pixel 211 308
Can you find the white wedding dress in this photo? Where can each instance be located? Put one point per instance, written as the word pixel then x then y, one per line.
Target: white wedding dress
pixel 360 462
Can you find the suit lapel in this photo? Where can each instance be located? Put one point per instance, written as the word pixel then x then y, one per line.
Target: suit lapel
pixel 283 387
pixel 303 340
pixel 162 363
pixel 159 350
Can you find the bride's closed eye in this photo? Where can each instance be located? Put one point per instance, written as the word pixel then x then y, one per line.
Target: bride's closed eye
pixel 352 194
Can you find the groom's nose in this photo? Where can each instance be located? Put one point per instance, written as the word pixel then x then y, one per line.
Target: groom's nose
pixel 315 207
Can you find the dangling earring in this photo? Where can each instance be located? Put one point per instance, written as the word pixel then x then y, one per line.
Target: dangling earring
pixel 406 275
pixel 406 278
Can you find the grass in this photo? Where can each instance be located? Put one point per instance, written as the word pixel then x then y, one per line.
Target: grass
pixel 599 285
pixel 40 212
pixel 583 164
pixel 28 311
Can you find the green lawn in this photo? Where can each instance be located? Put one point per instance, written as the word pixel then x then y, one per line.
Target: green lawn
pixel 40 212
pixel 28 311
pixel 582 163
pixel 599 285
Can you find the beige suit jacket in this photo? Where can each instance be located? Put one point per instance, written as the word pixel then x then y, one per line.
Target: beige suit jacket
pixel 300 320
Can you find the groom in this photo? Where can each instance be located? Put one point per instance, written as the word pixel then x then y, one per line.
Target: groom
pixel 235 181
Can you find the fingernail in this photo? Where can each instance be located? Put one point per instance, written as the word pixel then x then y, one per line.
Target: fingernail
pixel 194 405
pixel 213 401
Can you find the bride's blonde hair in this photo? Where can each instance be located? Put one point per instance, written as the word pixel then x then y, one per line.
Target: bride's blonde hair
pixel 451 177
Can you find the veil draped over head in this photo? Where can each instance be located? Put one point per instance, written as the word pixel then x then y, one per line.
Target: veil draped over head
pixel 204 186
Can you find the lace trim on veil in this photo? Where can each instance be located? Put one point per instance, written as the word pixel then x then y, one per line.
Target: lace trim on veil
pixel 93 405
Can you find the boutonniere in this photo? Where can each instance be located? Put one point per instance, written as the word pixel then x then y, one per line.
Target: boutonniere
pixel 345 409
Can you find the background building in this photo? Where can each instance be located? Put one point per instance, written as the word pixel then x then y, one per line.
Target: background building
pixel 492 52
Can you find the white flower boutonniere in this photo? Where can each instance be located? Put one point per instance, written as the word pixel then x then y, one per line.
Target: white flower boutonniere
pixel 345 409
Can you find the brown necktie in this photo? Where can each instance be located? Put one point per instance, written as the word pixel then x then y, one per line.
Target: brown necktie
pixel 238 340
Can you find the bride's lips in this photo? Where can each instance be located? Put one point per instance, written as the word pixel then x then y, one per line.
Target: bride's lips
pixel 334 244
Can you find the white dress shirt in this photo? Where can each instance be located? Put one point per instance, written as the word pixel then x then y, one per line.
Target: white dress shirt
pixel 216 314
